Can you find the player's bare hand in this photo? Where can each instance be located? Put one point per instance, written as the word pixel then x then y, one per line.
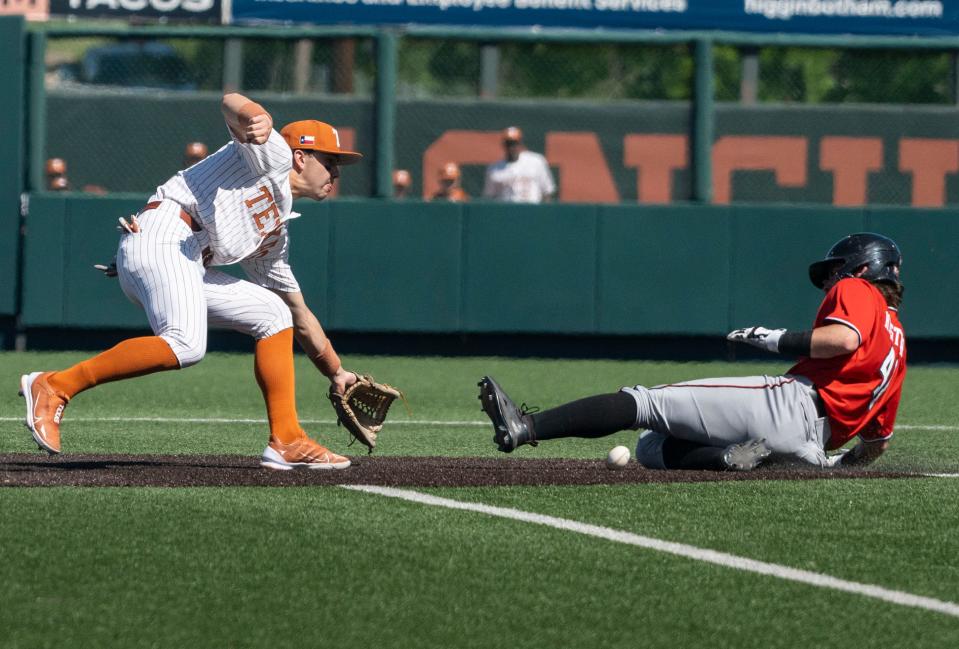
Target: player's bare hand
pixel 760 337
pixel 130 227
pixel 342 380
pixel 257 128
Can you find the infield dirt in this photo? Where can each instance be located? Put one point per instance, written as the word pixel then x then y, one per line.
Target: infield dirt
pixel 34 470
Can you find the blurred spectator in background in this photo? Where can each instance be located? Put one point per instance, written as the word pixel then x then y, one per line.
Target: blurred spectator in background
pixel 450 189
pixel 94 189
pixel 57 181
pixel 522 177
pixel 57 175
pixel 194 152
pixel 58 184
pixel 401 183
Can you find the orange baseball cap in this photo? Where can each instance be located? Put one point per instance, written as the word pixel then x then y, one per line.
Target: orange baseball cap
pixel 512 134
pixel 450 171
pixel 318 136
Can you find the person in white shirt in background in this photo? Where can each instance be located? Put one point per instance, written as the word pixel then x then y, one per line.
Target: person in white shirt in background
pixel 522 177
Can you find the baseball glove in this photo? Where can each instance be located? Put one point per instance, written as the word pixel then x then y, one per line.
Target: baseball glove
pixel 362 408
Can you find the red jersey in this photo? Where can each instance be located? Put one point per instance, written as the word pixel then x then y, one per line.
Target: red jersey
pixel 861 390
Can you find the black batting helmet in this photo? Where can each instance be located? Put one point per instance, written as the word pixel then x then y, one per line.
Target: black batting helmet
pixel 880 255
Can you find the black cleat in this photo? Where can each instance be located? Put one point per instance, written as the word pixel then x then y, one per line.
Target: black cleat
pixel 747 455
pixel 511 426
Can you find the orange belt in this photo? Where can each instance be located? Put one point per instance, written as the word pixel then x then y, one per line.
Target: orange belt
pixel 184 215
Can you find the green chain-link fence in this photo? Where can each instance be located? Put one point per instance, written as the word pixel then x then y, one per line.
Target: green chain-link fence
pixel 829 125
pixel 121 112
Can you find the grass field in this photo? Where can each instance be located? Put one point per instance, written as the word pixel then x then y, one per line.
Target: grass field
pixel 326 566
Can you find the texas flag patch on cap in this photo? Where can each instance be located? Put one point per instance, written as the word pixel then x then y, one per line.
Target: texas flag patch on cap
pixel 307 139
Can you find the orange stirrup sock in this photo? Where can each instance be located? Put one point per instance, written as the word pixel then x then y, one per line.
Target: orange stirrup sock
pixel 273 366
pixel 133 357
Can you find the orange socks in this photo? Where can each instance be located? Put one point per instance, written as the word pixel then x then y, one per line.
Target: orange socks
pixel 133 357
pixel 273 366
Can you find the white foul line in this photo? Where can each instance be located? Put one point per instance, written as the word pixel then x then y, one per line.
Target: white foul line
pixel 679 549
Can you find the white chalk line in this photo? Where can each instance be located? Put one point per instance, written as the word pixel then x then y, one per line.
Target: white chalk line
pixel 678 549
pixel 393 422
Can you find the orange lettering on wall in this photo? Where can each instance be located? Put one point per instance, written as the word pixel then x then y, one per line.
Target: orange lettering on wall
pixel 786 156
pixel 462 147
pixel 347 138
pixel 655 158
pixel 584 176
pixel 850 159
pixel 928 161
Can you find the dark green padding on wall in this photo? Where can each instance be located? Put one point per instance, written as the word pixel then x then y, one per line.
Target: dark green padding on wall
pixel 399 265
pixel 770 257
pixel 368 265
pixel 12 56
pixel 530 269
pixel 65 238
pixel 663 270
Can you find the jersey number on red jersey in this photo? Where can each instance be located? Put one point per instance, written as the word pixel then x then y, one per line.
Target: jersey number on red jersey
pixel 889 364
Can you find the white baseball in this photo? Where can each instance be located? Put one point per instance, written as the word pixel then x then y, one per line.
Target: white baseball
pixel 617 458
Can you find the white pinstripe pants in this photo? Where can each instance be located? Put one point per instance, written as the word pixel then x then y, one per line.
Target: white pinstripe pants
pixel 161 269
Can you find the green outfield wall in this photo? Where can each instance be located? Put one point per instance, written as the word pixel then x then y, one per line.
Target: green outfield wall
pixel 415 267
pixel 609 153
pixel 12 67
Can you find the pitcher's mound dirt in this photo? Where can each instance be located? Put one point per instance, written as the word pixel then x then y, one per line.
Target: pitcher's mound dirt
pixel 34 470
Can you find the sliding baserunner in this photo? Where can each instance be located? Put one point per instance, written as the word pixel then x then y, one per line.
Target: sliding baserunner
pixel 846 384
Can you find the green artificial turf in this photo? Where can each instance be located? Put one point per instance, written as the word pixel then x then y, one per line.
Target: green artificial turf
pixel 304 567
pixel 325 567
pixel 438 390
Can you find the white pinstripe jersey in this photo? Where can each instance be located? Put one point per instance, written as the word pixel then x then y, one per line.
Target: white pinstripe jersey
pixel 240 196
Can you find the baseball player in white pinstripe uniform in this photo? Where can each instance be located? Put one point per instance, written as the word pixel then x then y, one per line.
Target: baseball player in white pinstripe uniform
pixel 231 207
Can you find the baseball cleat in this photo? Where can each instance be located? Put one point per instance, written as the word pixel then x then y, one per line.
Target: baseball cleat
pixel 511 425
pixel 747 455
pixel 303 453
pixel 45 408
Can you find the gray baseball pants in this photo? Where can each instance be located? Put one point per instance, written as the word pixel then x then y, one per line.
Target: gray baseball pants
pixel 723 411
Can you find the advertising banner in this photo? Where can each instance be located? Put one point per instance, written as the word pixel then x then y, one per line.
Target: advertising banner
pixel 204 10
pixel 874 17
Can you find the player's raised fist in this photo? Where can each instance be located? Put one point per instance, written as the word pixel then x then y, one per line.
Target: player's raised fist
pixel 257 128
